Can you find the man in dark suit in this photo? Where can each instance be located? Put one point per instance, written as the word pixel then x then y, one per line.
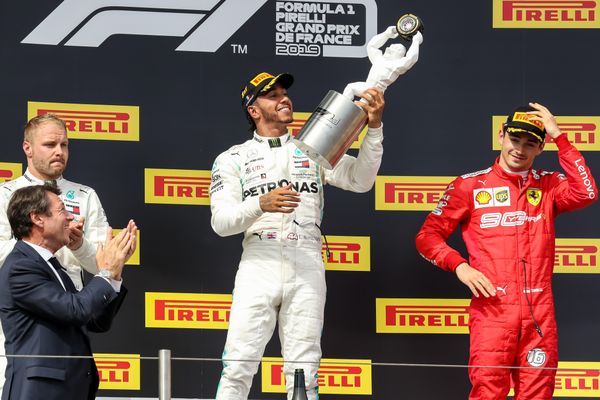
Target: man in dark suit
pixel 41 311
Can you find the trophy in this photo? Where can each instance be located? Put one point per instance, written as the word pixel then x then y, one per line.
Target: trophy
pixel 337 121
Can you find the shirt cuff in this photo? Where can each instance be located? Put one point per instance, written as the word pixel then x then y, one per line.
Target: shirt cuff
pixel 453 260
pixel 253 207
pixel 376 132
pixel 562 141
pixel 116 285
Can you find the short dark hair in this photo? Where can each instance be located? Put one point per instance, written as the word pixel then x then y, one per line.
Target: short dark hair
pixel 24 202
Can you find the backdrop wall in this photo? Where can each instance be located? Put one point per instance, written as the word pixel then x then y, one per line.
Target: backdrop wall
pixel 151 92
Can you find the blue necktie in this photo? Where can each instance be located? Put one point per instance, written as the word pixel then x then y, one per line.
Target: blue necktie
pixel 69 286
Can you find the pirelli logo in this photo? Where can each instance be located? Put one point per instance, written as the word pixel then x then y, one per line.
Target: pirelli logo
pixel 118 371
pixel 187 310
pixel 350 377
pixel 347 253
pixel 93 121
pixel 409 193
pixel 300 119
pixel 577 256
pixel 177 186
pixel 575 379
pixel 422 315
pixel 135 257
pixel 583 132
pixel 10 171
pixel 546 14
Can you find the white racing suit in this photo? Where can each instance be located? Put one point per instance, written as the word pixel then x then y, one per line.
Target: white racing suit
pixel 79 200
pixel 281 277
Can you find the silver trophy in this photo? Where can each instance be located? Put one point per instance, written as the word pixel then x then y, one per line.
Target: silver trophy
pixel 337 121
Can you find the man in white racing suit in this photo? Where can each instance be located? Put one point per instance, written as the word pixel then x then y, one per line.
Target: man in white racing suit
pixel 268 189
pixel 46 147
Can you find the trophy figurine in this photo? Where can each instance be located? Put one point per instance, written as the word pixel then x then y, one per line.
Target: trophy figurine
pixel 336 122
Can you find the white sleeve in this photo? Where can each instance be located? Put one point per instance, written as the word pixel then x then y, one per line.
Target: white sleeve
pixel 95 228
pixel 358 174
pixel 6 241
pixel 230 214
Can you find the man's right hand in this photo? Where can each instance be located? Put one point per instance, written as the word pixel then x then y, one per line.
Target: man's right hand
pixel 283 199
pixel 115 252
pixel 475 280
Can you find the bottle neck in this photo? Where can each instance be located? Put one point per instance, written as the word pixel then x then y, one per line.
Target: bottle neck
pixel 299 379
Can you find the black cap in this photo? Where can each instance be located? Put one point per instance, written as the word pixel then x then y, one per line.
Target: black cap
pixel 262 83
pixel 519 122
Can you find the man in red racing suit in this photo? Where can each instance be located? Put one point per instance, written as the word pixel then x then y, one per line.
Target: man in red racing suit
pixel 506 213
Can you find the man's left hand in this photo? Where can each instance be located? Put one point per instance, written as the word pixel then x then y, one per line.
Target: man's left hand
pixel 76 234
pixel 373 105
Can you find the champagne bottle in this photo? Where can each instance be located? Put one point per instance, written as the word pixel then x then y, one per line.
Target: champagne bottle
pixel 299 386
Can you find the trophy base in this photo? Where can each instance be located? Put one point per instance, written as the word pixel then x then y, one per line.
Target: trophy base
pixel 331 129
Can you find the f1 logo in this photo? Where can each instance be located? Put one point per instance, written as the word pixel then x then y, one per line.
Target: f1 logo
pixel 205 24
pixel 89 23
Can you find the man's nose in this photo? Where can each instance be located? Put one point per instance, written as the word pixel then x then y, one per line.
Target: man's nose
pixel 518 147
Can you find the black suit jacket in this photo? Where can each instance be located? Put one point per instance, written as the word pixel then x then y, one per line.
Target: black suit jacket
pixel 39 317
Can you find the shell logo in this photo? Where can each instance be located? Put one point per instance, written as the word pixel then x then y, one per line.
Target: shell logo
pixel 483 197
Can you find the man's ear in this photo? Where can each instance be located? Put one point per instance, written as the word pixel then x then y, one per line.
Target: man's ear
pixel 501 134
pixel 27 148
pixel 37 219
pixel 253 111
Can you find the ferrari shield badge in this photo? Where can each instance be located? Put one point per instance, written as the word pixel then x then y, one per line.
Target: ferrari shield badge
pixel 534 196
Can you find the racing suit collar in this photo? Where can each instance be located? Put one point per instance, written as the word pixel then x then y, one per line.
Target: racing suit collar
pixel 272 141
pixel 29 176
pixel 514 178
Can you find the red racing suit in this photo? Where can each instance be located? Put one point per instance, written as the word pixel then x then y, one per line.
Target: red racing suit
pixel 507 225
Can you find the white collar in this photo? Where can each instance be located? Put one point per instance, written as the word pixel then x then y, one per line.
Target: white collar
pixel 29 176
pixel 42 251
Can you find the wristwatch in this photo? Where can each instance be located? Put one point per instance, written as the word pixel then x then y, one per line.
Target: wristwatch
pixel 105 273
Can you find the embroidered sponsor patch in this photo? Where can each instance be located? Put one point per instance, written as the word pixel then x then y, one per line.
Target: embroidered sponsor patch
pixel 534 196
pixel 491 197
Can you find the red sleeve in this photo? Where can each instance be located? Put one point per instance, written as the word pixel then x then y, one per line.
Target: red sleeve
pixel 439 225
pixel 578 189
